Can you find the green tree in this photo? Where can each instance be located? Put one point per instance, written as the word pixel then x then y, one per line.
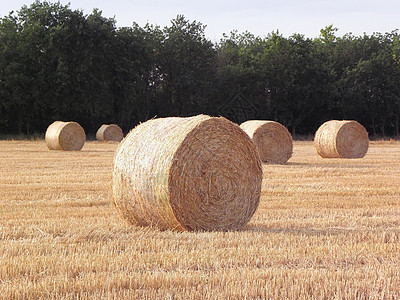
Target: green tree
pixel 28 64
pixel 184 67
pixel 134 56
pixel 59 64
pixel 9 65
pixel 239 75
pixel 372 86
pixel 55 65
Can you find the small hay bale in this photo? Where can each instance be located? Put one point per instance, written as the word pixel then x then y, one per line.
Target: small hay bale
pixel 195 173
pixel 341 139
pixel 273 141
pixel 65 136
pixel 109 132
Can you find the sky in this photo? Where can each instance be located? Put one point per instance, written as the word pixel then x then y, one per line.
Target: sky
pixel 259 17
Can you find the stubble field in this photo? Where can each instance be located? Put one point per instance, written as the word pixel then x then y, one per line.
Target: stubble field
pixel 325 228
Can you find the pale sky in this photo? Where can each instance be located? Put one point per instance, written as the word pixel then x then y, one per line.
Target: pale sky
pixel 258 17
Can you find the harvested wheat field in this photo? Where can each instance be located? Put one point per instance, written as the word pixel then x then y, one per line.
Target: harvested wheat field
pixel 325 228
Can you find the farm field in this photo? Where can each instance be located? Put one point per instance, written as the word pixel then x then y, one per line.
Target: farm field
pixel 325 228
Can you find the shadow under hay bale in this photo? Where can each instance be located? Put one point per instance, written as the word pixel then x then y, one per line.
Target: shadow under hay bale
pixel 341 139
pixel 273 141
pixel 195 173
pixel 68 136
pixel 109 132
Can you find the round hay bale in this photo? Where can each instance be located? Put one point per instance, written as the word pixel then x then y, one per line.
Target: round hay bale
pixel 109 132
pixel 273 141
pixel 341 139
pixel 65 136
pixel 195 173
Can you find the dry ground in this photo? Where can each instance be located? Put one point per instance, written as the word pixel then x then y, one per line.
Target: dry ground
pixel 325 228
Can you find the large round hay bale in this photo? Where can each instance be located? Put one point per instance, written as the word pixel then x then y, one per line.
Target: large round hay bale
pixel 109 132
pixel 195 173
pixel 341 139
pixel 273 141
pixel 65 136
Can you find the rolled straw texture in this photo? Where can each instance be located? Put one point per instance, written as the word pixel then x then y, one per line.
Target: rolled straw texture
pixel 341 139
pixel 273 141
pixel 111 132
pixel 196 173
pixel 65 136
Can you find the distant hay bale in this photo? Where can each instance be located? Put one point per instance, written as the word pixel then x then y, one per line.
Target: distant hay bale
pixel 195 173
pixel 109 132
pixel 65 136
pixel 341 139
pixel 273 141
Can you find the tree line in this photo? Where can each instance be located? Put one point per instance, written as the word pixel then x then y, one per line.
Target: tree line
pixel 60 64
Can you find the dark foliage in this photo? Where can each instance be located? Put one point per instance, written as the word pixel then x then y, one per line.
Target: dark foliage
pixel 59 64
